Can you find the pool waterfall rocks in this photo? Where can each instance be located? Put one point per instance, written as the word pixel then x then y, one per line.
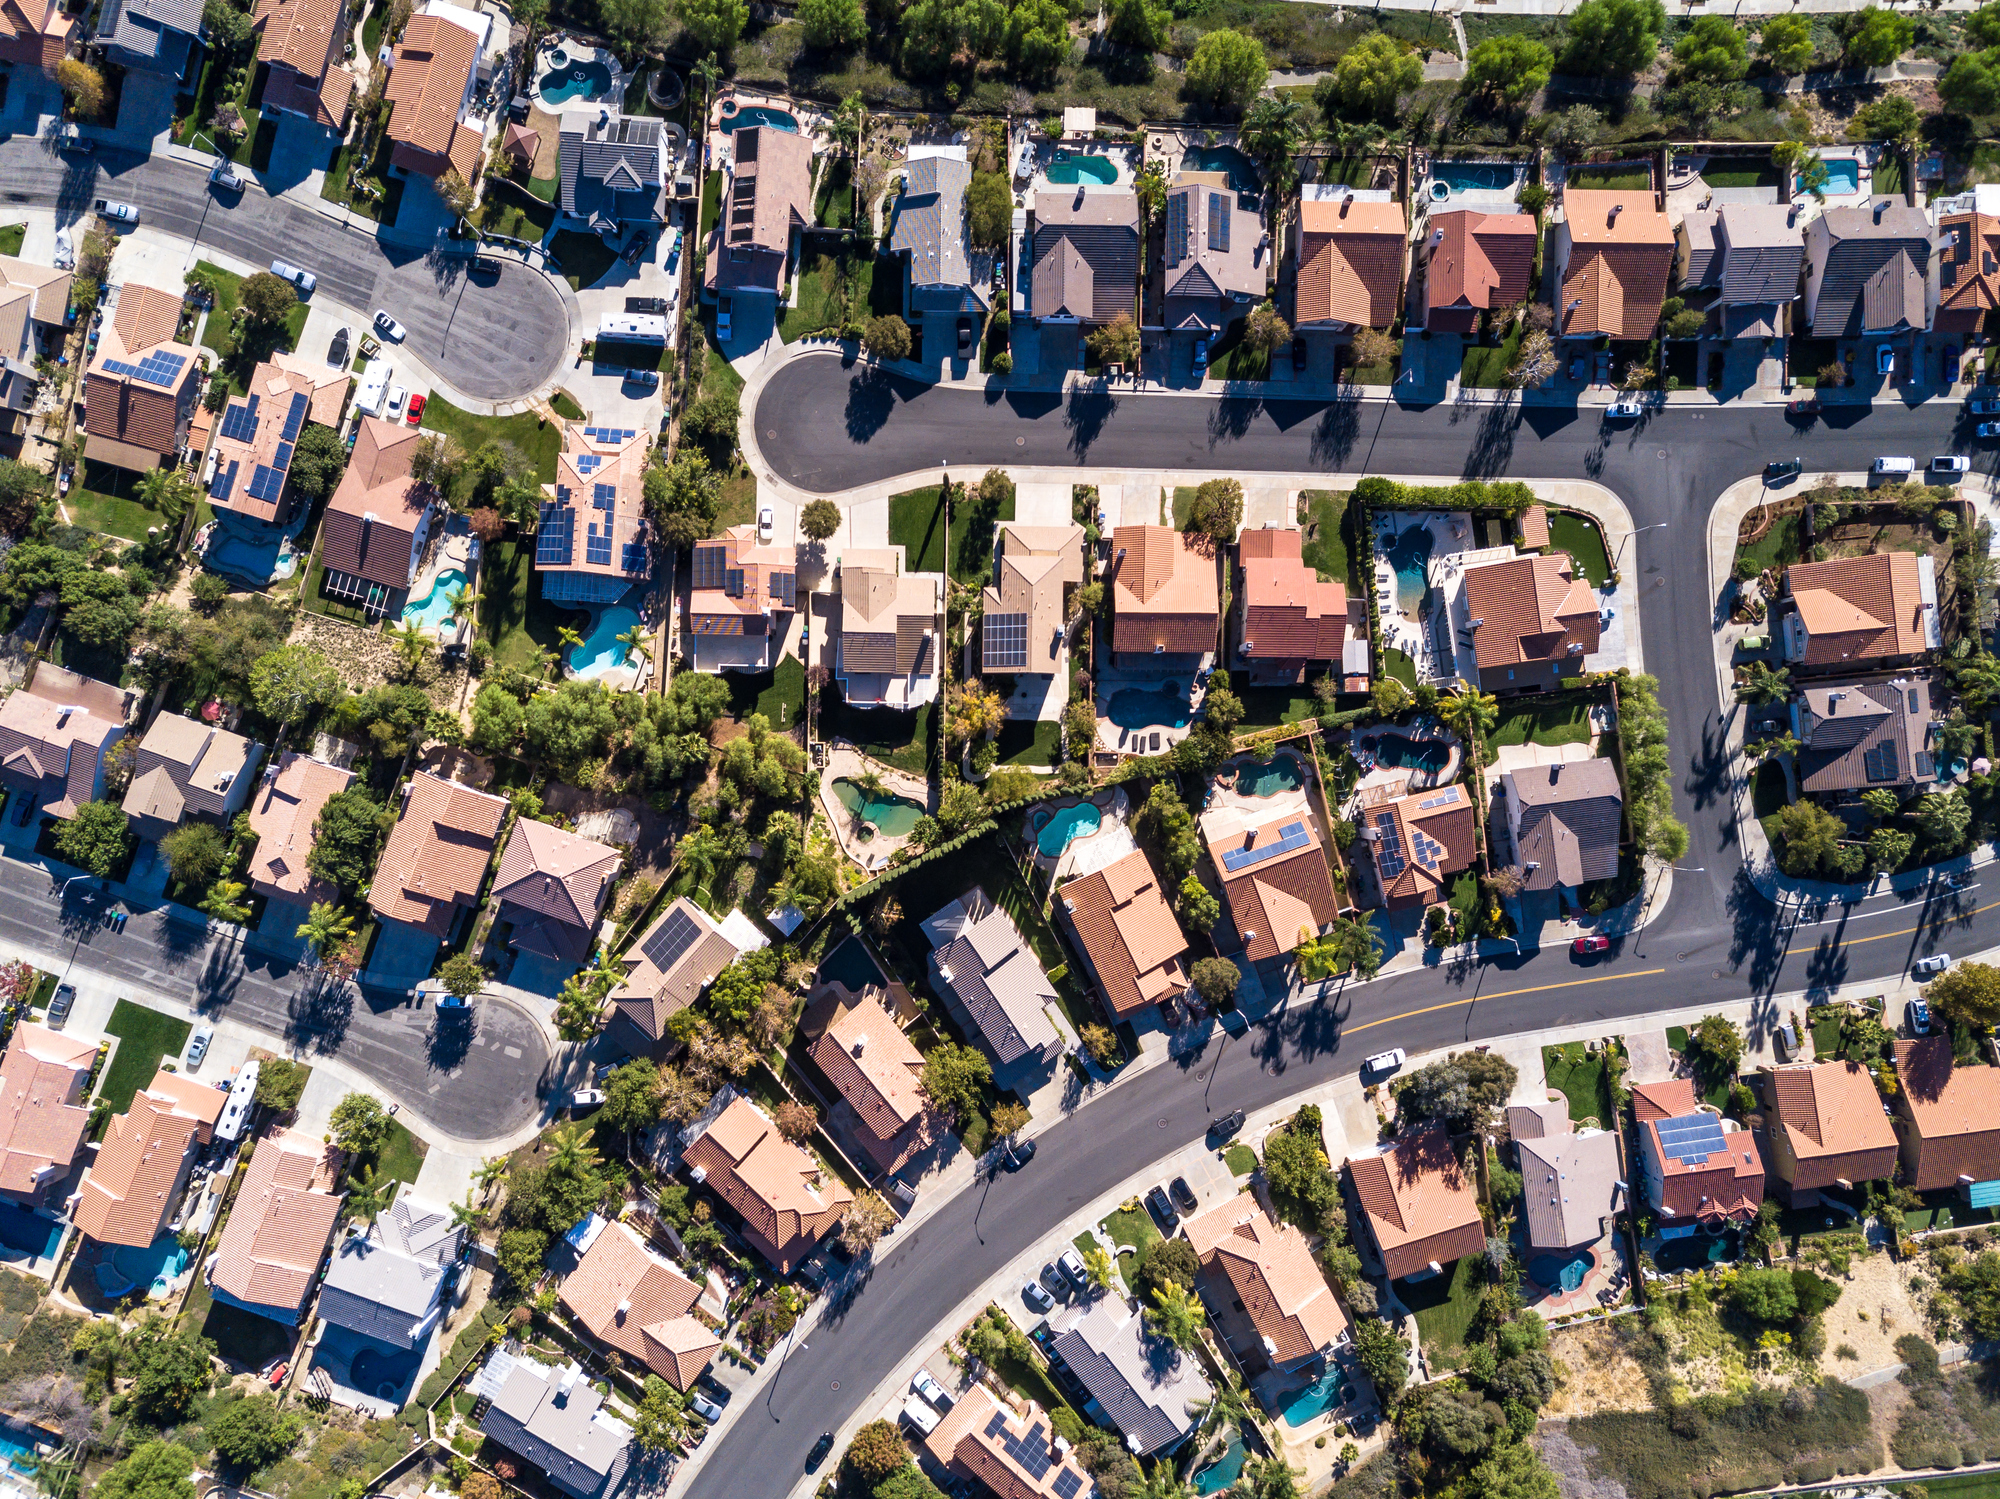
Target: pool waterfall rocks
pixel 871 807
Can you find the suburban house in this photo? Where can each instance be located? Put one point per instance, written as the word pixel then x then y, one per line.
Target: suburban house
pixel 1420 1207
pixel 267 1258
pixel 1250 1262
pixel 1968 270
pixel 1274 876
pixel 249 474
pixel 554 1418
pixel 741 605
pixel 143 1163
pixel 1165 597
pixel 1854 736
pixel 153 36
pixel 551 889
pixel 877 1073
pixel 1699 1168
pixel 386 1287
pixel 996 991
pixel 1417 841
pixel 1571 1186
pixel 1351 247
pixel 430 91
pixel 1025 607
pixel 283 813
pixel 42 1114
pixel 1084 254
pixel 1749 255
pixel 631 1299
pixel 609 169
pixel 1121 922
pixel 1827 1129
pixel 1214 262
pixel 188 769
pixel 1881 609
pixel 886 633
pixel 1138 1385
pixel 1475 262
pixel 377 526
pixel 55 734
pixel 302 42
pixel 34 303
pixel 1288 619
pixel 1612 255
pixel 1011 1448
pixel 433 867
pixel 1870 270
pixel 1534 1121
pixel 35 33
pixel 933 233
pixel 1947 1122
pixel 786 1200
pixel 139 390
pixel 766 200
pixel 676 958
pixel 1533 621
pixel 1563 821
pixel 590 547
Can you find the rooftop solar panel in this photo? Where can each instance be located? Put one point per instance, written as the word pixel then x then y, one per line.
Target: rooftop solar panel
pixel 709 564
pixel 296 417
pixel 784 588
pixel 266 484
pixel 596 548
pixel 239 422
pixel 633 560
pixel 122 367
pixel 1292 835
pixel 605 495
pixel 1068 1485
pixel 1006 642
pixel 675 936
pixel 555 542
pixel 282 459
pixel 225 480
pixel 588 464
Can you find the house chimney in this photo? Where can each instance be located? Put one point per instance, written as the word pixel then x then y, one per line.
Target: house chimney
pixel 1611 218
pixel 1881 207
pixel 861 1043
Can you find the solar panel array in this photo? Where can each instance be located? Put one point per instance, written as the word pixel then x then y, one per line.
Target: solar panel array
pixel 157 368
pixel 1030 1451
pixel 266 484
pixel 1068 1484
pixel 709 563
pixel 605 496
pixel 634 558
pixel 732 582
pixel 1007 641
pixel 1218 222
pixel 1445 798
pixel 225 481
pixel 557 538
pixel 1691 1139
pixel 675 936
pixel 596 548
pixel 239 423
pixel 610 434
pixel 1292 835
pixel 785 589
pixel 295 418
pixel 1882 763
pixel 588 464
pixel 1177 227
pixel 282 459
pixel 1389 850
pixel 1427 849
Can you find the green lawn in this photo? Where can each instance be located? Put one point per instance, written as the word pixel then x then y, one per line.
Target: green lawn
pixel 834 207
pixel 403 1157
pixel 100 500
pixel 1579 536
pixel 1615 179
pixel 1134 1228
pixel 1024 743
pixel 1268 707
pixel 513 616
pixel 1826 1036
pixel 1777 547
pixel 1579 1077
pixel 1401 667
pixel 838 289
pixel 144 1036
pixel 564 405
pixel 1747 171
pixel 1240 1159
pixel 584 257
pixel 779 695
pixel 322 603
pixel 1677 1038
pixel 916 523
pixel 235 358
pixel 1486 366
pixel 510 209
pixel 540 441
pixel 1562 719
pixel 1325 546
pixel 898 739
pixel 1445 1306
pixel 11 236
pixel 1464 893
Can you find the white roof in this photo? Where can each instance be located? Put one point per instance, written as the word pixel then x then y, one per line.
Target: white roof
pixel 475 21
pixel 1077 121
pixel 744 934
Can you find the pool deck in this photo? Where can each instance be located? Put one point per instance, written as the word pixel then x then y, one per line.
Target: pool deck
pixel 813 122
pixel 1112 740
pixel 1099 850
pixel 1221 795
pixel 585 53
pixel 1124 157
pixel 1557 1305
pixel 844 761
pixel 1401 779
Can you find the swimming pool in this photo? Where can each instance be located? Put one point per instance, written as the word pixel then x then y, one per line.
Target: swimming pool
pixel 1316 1399
pixel 125 1268
pixel 850 965
pixel 760 114
pixel 382 1372
pixel 1072 170
pixel 253 562
pixel 1410 555
pixel 1136 708
pixel 1067 825
pixel 1564 1271
pixel 433 610
pixel 1405 753
pixel 1269 777
pixel 1843 175
pixel 601 650
pixel 1473 176
pixel 575 80
pixel 1225 1470
pixel 27 1233
pixel 887 813
pixel 1228 160
pixel 17 1444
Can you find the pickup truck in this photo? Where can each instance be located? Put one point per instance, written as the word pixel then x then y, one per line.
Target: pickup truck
pixel 121 213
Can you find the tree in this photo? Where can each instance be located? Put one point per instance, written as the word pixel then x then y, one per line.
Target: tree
pixel 1509 69
pixel 83 86
pixel 22 492
pixel 909 1482
pixel 1115 342
pixel 253 1433
pixel 1968 993
pixel 1370 77
pixel 1718 1044
pixel 1215 980
pixel 1384 1356
pixel 462 975
pixel 1809 838
pixel 886 337
pixel 1468 712
pixel 954 1078
pixel 1037 40
pixel 1614 38
pixel 456 193
pixel 1888 848
pixel 1459 1090
pixel 662 1417
pixel 1196 905
pixel 1264 330
pixel 360 1125
pixel 1166 1262
pixel 1971 85
pixel 1227 68
pixel 1176 1315
pixel 1534 362
pixel 682 497
pixel 632 1096
pixel 1877 37
pixel 228 28
pixel 170 1371
pixel 344 834
pixel 194 852
pixel 1217 509
pixel 1356 944
pixel 876 1451
pixel 1765 1296
pixel 989 204
pixel 866 1219
pixel 267 298
pixel 1765 684
pixel 1713 47
pixel 1786 43
pixel 819 520
pixel 1513 1470
pixel 155 1470
pixel 1009 1119
pixel 289 682
pixel 940 34
pixel 1944 818
pixel 1140 25
pixel 280 1083
pixel 714 25
pixel 94 838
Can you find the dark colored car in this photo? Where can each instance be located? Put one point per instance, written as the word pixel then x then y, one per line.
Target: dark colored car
pixel 1950 364
pixel 1162 1209
pixel 1226 1127
pixel 1585 946
pixel 1803 406
pixel 336 352
pixel 717 1390
pixel 1019 1155
pixel 965 339
pixel 1299 353
pixel 486 265
pixel 638 247
pixel 819 1451
pixel 1782 468
pixel 1183 1194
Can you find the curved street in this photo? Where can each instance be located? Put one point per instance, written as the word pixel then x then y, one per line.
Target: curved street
pixel 826 426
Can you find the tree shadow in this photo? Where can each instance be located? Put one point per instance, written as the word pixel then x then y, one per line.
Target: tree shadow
pixel 1492 442
pixel 871 397
pixel 1756 948
pixel 318 1015
pixel 1089 409
pixel 1339 426
pixel 1229 420
pixel 451 1036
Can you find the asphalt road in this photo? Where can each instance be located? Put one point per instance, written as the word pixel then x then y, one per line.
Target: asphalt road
pixel 493 337
pixel 826 427
pixel 477 1079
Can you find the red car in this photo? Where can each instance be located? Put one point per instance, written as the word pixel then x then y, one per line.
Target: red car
pixel 1583 947
pixel 1803 406
pixel 278 1375
pixel 416 410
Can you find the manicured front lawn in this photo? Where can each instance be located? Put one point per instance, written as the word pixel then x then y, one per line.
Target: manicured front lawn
pixel 403 1157
pixel 144 1036
pixel 916 523
pixel 1579 1077
pixel 1240 1159
pixel 238 345
pixel 1485 366
pixel 512 614
pixel 1777 547
pixel 538 440
pixel 1579 536
pixel 1562 719
pixel 834 290
pixel 11 236
pixel 834 207
pixel 1325 548
pixel 1445 1306
pixel 510 210
pixel 584 257
pixel 1134 1227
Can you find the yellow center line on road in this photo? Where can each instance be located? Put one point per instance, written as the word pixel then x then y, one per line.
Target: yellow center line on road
pixel 1503 994
pixel 1904 931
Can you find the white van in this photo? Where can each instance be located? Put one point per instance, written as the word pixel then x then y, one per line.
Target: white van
pixel 1895 465
pixel 920 1415
pixel 373 389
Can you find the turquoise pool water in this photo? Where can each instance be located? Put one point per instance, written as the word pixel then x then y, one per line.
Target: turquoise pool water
pixel 1269 777
pixel 1242 175
pixel 575 80
pixel 1473 176
pixel 1225 1470
pixel 1066 826
pixel 433 610
pixel 894 815
pixel 761 114
pixel 25 1233
pixel 1405 753
pixel 601 649
pixel 150 1269
pixel 1565 1270
pixel 1317 1398
pixel 1072 170
pixel 1137 708
pixel 17 1445
pixel 1410 554
pixel 1843 175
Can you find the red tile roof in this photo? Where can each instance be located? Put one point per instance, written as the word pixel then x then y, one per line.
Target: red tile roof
pixel 866 1056
pixel 1530 609
pixel 1828 1125
pixel 1951 1113
pixel 42 1118
pixel 1418 1203
pixel 1289 613
pixel 283 811
pixel 1164 591
pixel 1621 253
pixel 131 1189
pixel 437 853
pixel 434 63
pixel 1858 608
pixel 635 1301
pixel 1351 257
pixel 1478 262
pixel 284 1212
pixel 1272 1272
pixel 787 1201
pixel 1122 921
pixel 968 1443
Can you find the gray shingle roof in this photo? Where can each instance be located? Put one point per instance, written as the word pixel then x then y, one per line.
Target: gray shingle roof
pixel 610 167
pixel 983 966
pixel 1860 734
pixel 1865 261
pixel 386 1285
pixel 1146 1386
pixel 1086 255
pixel 1761 251
pixel 570 1437
pixel 931 222
pixel 1569 1185
pixel 1569 817
pixel 150 32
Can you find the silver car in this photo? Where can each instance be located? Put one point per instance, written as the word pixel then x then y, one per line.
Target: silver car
pixel 305 281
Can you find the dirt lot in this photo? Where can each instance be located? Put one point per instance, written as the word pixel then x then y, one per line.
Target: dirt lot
pixel 1599 1374
pixel 1875 1308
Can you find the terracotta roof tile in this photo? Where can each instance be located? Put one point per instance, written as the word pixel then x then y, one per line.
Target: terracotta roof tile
pixel 788 1203
pixel 1479 261
pixel 866 1056
pixel 1164 591
pixel 635 1301
pixel 1276 902
pixel 982 1439
pixel 1668 1099
pixel 1444 819
pixel 437 853
pixel 1531 608
pixel 1127 931
pixel 433 62
pixel 283 811
pixel 1828 1120
pixel 122 408
pixel 1419 1205
pixel 1859 608
pixel 54 736
pixel 1034 567
pixel 131 1188
pixel 270 1249
pixel 1685 1182
pixel 274 385
pixel 1952 1114
pixel 550 878
pixel 1351 258
pixel 1272 1272
pixel 42 1118
pixel 1621 254
pixel 371 523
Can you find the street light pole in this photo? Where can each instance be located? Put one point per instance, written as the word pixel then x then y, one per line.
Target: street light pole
pixel 1661 526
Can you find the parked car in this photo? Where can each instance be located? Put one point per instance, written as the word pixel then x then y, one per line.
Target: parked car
pixel 225 176
pixel 1885 360
pixel 1787 1041
pixel 1917 1016
pixel 1385 1062
pixel 1299 354
pixel 198 1044
pixel 416 410
pixel 966 341
pixel 118 213
pixel 1038 1299
pixel 641 242
pixel 1782 468
pixel 722 322
pixel 1071 1265
pixel 1585 947
pixel 587 1098
pixel 767 521
pixel 389 328
pixel 1984 405
pixel 1896 465
pixel 1626 409
pixel 1052 1279
pixel 819 1451
pixel 920 1416
pixel 1162 1208
pixel 305 281
pixel 1988 429
pixel 1803 406
pixel 1019 1154
pixel 1937 962
pixel 1950 463
pixel 59 1004
pixel 1200 357
pixel 931 1390
pixel 392 410
pixel 336 352
pixel 1183 1194
pixel 1951 364
pixel 486 265
pixel 648 379
pixel 277 1375
pixel 1226 1127
pixel 707 1409
pixel 713 1387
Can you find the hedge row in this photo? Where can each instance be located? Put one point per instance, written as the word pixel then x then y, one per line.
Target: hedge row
pixel 897 871
pixel 1510 498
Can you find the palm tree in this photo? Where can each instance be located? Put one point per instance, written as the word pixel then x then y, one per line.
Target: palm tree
pixel 849 120
pixel 368 1194
pixel 1176 1315
pixel 488 1172
pixel 544 659
pixel 1765 684
pixel 413 643
pixel 225 902
pixel 1359 943
pixel 461 599
pixel 1469 711
pixel 578 1009
pixel 326 926
pixel 570 1150
pixel 571 640
pixel 156 487
pixel 707 73
pixel 465 1215
pixel 1164 1484
pixel 1271 134
pixel 639 639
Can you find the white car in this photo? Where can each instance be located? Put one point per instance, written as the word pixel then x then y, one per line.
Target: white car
pixel 1626 408
pixel 389 328
pixel 120 213
pixel 707 1409
pixel 767 520
pixel 1885 360
pixel 305 281
pixel 587 1098
pixel 1947 463
pixel 1937 962
pixel 198 1047
pixel 931 1390
pixel 225 175
pixel 393 409
pixel 1384 1062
